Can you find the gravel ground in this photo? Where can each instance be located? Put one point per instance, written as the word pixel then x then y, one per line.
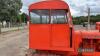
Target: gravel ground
pixel 80 27
pixel 14 43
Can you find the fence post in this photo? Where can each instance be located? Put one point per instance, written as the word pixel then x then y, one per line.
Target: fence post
pixel 0 27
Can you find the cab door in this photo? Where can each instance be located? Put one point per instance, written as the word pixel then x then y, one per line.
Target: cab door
pixel 60 30
pixel 60 35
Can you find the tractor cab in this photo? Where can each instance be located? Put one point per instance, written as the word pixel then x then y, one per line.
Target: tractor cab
pixel 50 26
pixel 51 32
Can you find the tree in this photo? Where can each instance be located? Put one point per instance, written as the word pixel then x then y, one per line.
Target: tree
pixel 24 17
pixel 14 8
pixel 82 19
pixel 9 9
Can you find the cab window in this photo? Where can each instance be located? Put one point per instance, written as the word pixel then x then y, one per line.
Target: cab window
pixel 48 17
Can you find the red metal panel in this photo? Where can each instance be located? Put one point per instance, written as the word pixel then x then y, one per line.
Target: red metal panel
pixel 96 54
pixel 60 35
pixel 50 37
pixel 87 54
pixel 39 36
pixel 98 26
pixel 77 39
pixel 91 54
pixel 92 34
pixel 49 5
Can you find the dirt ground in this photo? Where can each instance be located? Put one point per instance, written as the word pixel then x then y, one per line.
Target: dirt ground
pixel 14 43
pixel 80 27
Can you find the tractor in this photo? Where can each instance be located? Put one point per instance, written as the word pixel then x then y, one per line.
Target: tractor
pixel 51 32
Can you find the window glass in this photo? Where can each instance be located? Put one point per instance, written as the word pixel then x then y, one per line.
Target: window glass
pixel 59 16
pixel 39 16
pixel 48 17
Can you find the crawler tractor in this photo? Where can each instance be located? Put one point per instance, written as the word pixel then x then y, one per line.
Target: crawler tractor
pixel 51 32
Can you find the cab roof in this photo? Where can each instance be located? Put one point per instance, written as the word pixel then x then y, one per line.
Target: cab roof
pixel 56 4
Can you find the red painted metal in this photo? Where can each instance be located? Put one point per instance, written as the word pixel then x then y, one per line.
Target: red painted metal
pixel 49 37
pixel 98 26
pixel 57 38
pixel 88 39
pixel 39 36
pixel 92 34
pixel 49 5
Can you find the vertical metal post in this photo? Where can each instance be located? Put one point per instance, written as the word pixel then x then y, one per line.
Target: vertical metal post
pixel 71 33
pixel 40 12
pixel 41 19
pixel 29 17
pixel 0 27
pixel 56 19
pixel 50 27
pixel 50 16
pixel 88 18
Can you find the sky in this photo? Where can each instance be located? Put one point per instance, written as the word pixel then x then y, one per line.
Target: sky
pixel 77 7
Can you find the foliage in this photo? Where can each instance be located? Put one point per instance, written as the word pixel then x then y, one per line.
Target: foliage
pixel 82 19
pixel 9 9
pixel 24 17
